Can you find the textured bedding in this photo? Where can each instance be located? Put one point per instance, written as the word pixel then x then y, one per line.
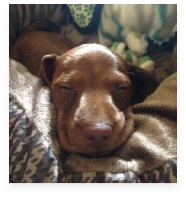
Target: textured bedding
pixel 32 160
pixel 34 152
pixel 35 155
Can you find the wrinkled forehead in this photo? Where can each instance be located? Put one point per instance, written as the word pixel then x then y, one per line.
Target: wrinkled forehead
pixel 92 59
pixel 92 66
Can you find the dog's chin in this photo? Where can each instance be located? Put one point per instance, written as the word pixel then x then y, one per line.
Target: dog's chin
pixel 100 153
pixel 91 152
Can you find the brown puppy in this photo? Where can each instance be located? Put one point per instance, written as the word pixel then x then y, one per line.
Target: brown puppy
pixel 91 88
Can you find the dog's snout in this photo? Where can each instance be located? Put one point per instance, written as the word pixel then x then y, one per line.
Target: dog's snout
pixel 97 135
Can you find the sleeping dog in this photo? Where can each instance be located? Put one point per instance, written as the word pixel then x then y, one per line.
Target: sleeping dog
pixel 91 86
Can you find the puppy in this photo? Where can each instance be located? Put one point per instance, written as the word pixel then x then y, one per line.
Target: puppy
pixel 92 89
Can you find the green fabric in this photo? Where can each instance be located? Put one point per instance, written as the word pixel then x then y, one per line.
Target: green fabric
pixel 144 59
pixel 129 57
pixel 82 13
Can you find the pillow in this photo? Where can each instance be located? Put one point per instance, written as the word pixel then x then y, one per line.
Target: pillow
pixel 85 16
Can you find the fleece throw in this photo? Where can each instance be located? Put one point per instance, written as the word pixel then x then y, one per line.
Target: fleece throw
pixel 152 145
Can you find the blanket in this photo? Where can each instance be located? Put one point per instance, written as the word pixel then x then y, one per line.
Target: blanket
pixel 35 154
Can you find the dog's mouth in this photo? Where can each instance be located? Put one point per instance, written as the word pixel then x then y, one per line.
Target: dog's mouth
pixel 97 146
pixel 98 149
pixel 96 142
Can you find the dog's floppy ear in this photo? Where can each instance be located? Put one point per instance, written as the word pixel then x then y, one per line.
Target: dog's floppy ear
pixel 143 83
pixel 48 66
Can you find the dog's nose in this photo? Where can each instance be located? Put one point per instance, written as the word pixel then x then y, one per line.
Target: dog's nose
pixel 97 135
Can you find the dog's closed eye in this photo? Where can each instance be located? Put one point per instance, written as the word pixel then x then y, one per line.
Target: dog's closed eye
pixel 66 95
pixel 65 87
pixel 122 88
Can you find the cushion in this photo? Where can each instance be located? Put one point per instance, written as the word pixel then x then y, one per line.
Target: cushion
pixel 85 16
